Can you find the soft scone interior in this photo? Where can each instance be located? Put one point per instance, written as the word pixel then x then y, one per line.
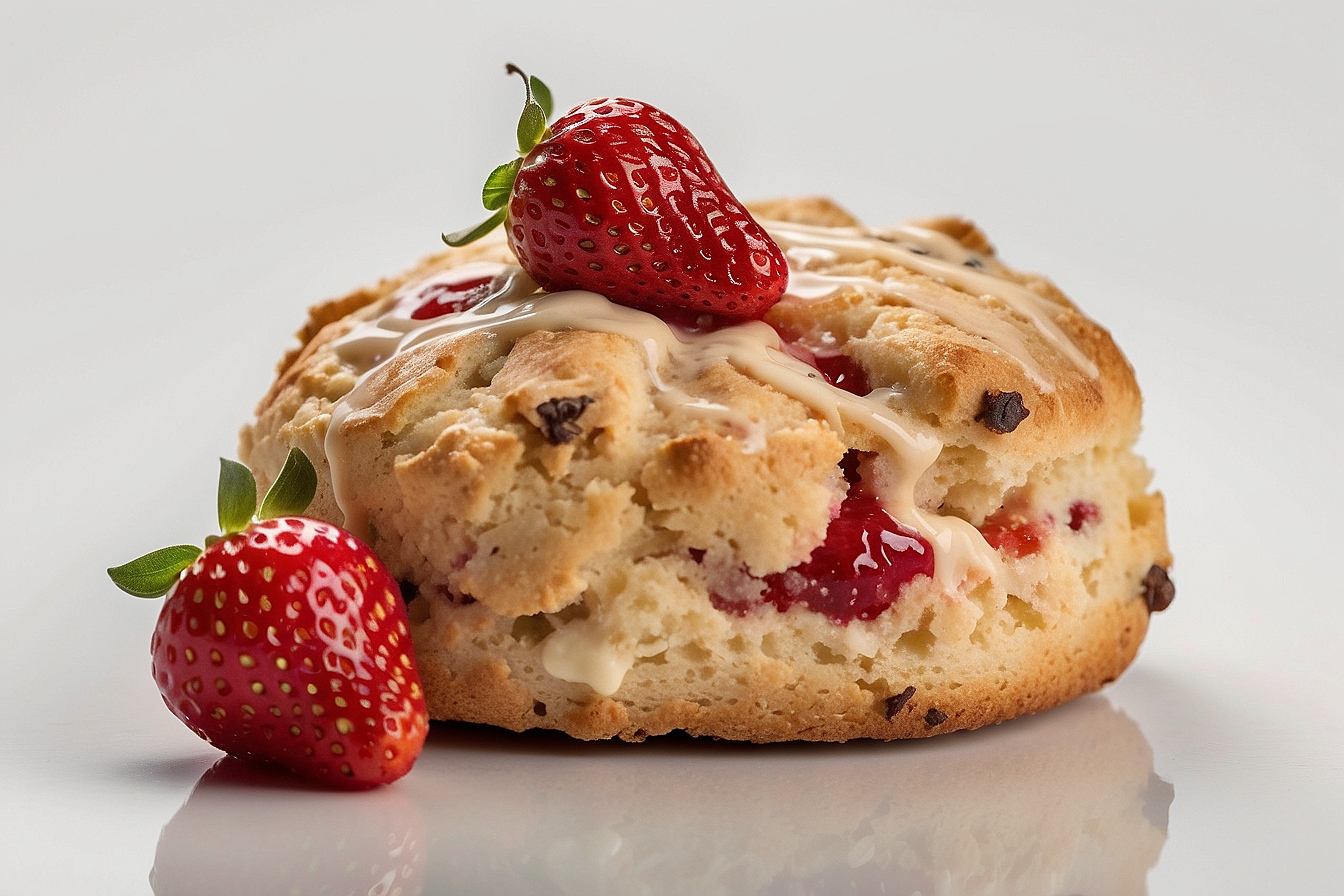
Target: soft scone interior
pixel 567 535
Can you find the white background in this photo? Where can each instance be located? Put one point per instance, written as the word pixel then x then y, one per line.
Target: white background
pixel 178 183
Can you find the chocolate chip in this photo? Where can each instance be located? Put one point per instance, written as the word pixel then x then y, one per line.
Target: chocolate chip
pixel 1158 589
pixel 539 708
pixel 558 416
pixel 896 702
pixel 409 590
pixel 1001 412
pixel 935 717
pixel 973 263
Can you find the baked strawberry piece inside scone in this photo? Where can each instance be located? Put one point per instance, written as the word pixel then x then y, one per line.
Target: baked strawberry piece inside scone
pixel 653 461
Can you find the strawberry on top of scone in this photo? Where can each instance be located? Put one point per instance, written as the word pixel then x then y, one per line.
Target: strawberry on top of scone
pixel 619 198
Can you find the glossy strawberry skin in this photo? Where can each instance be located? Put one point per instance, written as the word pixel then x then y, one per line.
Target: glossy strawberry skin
pixel 288 644
pixel 622 200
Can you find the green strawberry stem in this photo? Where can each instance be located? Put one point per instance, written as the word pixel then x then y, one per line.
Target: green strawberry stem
pixel 536 90
pixel 532 130
pixel 156 572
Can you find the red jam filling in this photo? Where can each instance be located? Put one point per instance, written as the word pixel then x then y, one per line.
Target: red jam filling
pixel 838 370
pixel 858 571
pixel 439 299
pixel 1014 533
pixel 1083 513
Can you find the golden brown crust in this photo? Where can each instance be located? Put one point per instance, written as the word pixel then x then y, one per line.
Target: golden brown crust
pixel 1039 672
pixel 962 230
pixel 819 210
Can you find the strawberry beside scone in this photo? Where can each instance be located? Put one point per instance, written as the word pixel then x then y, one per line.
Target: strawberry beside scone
pixel 285 641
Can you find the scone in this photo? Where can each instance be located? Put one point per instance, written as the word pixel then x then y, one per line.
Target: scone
pixel 903 504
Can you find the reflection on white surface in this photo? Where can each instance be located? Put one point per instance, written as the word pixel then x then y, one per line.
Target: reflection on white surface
pixel 250 831
pixel 1063 803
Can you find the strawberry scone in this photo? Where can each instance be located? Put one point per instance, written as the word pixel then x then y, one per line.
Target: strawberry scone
pixel 883 487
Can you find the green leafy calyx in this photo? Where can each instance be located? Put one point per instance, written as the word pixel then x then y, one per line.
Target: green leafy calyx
pixel 532 130
pixel 237 496
pixel 156 572
pixel 293 489
pixel 153 574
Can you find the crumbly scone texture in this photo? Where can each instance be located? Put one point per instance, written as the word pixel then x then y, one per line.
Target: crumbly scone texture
pixel 595 555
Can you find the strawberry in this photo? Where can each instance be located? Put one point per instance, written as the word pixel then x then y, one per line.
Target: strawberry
pixel 285 641
pixel 618 198
pixel 1014 533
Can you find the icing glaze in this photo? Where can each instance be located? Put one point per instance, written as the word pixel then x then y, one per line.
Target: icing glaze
pixel 583 652
pixel 979 278
pixel 513 307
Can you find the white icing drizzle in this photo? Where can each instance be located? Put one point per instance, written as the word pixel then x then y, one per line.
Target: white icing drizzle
pixel 939 256
pixel 515 309
pixel 962 311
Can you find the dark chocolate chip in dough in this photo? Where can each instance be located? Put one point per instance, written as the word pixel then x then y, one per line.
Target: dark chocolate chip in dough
pixel 1001 412
pixel 896 702
pixel 558 416
pixel 934 717
pixel 1158 589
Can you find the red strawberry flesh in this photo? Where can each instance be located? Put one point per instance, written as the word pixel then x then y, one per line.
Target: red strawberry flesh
pixel 451 298
pixel 859 570
pixel 288 644
pixel 838 369
pixel 1083 513
pixel 1014 533
pixel 622 200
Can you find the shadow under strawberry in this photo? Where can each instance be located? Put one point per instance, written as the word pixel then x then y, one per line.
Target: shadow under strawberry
pixel 247 829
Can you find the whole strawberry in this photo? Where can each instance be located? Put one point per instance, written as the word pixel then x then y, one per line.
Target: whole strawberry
pixel 618 198
pixel 285 641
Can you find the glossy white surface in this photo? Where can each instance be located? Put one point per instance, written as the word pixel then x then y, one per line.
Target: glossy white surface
pixel 177 185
